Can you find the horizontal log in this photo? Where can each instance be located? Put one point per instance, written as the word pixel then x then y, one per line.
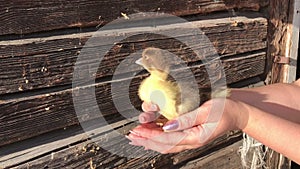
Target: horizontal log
pixel 77 152
pixel 21 17
pixel 50 142
pixel 185 156
pixel 48 62
pixel 30 116
pixel 224 158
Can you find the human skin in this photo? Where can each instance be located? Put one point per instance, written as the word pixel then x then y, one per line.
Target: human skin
pixel 270 114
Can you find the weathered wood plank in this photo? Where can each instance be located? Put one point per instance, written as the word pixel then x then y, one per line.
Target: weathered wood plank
pixel 280 34
pixel 224 158
pixel 80 155
pixel 293 42
pixel 283 38
pixel 27 117
pixel 47 62
pixel 21 16
pixel 278 37
pixel 30 149
pixel 183 157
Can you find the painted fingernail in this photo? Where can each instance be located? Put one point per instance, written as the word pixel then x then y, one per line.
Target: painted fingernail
pixel 172 125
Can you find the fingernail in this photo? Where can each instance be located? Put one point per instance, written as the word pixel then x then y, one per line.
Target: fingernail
pixel 142 119
pixel 132 143
pixel 172 125
pixel 135 133
pixel 153 107
pixel 147 117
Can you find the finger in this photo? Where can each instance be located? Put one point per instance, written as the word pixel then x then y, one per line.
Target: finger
pixel 158 135
pixel 148 117
pixel 189 137
pixel 197 135
pixel 188 120
pixel 200 134
pixel 134 136
pixel 149 107
pixel 209 112
pixel 161 148
pixel 151 125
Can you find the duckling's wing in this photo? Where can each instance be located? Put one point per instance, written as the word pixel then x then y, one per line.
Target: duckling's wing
pixel 188 99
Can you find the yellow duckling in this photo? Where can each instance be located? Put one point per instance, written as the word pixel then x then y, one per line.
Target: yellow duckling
pixel 173 98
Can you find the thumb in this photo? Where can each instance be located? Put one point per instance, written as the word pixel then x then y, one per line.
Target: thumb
pixel 188 120
pixel 209 113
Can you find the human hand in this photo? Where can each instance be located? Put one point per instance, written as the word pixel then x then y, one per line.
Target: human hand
pixel 189 131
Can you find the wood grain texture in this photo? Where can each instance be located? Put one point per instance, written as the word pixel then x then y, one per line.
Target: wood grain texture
pixel 281 16
pixel 30 116
pixel 99 152
pixel 31 149
pixel 48 62
pixel 23 17
pixel 224 158
pixel 278 36
pixel 29 121
pixel 293 42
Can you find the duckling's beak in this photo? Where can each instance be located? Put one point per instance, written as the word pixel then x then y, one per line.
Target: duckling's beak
pixel 139 62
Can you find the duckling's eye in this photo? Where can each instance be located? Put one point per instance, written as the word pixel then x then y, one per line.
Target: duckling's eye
pixel 146 57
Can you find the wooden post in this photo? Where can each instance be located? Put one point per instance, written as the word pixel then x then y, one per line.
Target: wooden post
pixel 283 39
pixel 291 50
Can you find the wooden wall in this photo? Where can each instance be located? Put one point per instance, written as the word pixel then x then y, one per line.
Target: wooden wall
pixel 283 37
pixel 40 42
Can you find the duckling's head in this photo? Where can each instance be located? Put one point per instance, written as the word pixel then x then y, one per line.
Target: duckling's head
pixel 155 59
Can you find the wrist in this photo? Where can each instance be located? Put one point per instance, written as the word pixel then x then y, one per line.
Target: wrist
pixel 238 112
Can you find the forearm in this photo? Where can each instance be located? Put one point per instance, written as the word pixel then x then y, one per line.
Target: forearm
pixel 275 132
pixel 281 100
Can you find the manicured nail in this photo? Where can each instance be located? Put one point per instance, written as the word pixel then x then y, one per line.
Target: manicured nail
pixel 172 125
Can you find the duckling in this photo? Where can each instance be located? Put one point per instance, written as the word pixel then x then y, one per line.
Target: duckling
pixel 172 97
